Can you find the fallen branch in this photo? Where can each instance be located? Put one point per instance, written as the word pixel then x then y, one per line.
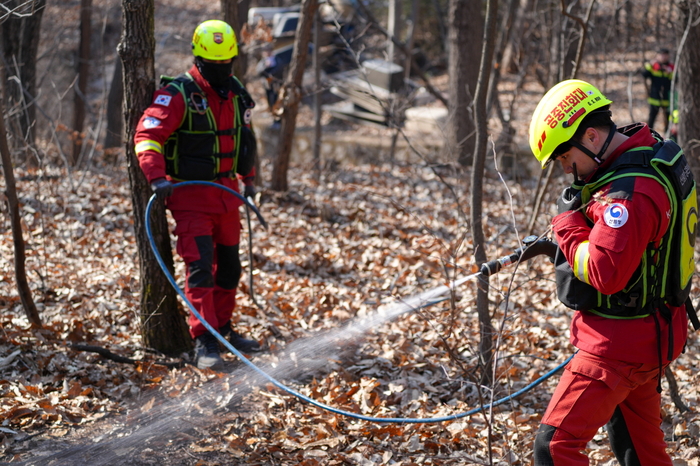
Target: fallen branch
pixel 107 354
pixel 673 389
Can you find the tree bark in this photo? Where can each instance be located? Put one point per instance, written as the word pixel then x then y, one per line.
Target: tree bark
pixel 163 327
pixel 79 99
pixel 482 299
pixel 688 86
pixel 466 26
pixel 25 294
pixel 236 14
pixel 114 133
pixel 291 93
pixel 20 43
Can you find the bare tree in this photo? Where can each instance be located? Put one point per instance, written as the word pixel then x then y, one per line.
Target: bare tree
pixel 115 127
pixel 25 294
pixel 20 43
pixel 79 99
pixel 236 14
pixel 291 93
pixel 688 86
pixel 465 27
pixel 162 325
pixel 482 299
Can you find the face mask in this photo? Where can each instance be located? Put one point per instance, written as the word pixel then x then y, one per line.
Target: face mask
pixel 217 74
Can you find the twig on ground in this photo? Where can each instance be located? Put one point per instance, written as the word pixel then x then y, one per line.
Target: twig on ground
pixel 107 354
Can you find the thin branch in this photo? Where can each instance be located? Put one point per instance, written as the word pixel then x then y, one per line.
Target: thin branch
pixel 584 30
pixel 107 354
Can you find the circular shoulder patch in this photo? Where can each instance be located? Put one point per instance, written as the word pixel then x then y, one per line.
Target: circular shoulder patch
pixel 616 215
pixel 247 116
pixel 150 122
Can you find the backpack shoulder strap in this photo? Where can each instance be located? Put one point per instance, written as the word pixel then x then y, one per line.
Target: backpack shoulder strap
pixel 240 90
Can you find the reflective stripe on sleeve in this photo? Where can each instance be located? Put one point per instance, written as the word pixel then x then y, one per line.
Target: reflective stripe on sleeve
pixel 148 144
pixel 580 267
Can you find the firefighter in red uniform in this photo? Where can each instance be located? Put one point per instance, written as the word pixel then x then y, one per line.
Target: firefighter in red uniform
pixel 198 128
pixel 612 229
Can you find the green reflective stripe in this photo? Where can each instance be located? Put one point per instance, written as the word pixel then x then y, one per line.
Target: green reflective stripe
pixel 608 316
pixel 658 73
pixel 658 102
pixel 148 144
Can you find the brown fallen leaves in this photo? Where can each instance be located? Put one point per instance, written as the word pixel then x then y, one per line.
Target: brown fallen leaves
pixel 335 251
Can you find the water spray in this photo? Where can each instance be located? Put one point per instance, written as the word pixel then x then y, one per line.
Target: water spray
pixel 532 246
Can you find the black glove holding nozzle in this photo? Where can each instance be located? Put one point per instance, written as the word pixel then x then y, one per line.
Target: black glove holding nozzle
pixel 570 199
pixel 532 246
pixel 162 187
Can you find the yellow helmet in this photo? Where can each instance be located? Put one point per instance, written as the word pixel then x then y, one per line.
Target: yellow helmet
pixel 214 40
pixel 559 114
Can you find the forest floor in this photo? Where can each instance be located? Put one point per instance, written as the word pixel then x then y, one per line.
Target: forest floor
pixel 335 252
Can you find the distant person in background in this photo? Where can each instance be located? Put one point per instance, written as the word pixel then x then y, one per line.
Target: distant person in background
pixel 660 72
pixel 271 69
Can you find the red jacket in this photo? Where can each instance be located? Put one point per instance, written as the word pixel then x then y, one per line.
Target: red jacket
pixel 160 120
pixel 615 254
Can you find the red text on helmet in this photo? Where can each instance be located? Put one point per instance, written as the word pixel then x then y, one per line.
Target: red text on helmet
pixel 566 105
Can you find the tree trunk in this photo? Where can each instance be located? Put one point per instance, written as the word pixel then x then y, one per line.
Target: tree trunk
pixel 290 94
pixel 688 86
pixel 465 27
pixel 482 299
pixel 25 294
pixel 20 43
pixel 114 133
pixel 80 99
pixel 163 327
pixel 394 24
pixel 236 14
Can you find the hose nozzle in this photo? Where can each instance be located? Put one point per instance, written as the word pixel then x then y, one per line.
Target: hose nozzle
pixel 532 246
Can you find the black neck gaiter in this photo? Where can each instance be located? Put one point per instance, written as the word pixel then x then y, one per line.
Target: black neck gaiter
pixel 217 74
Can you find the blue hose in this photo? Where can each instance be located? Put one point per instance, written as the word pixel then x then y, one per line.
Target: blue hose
pixel 291 391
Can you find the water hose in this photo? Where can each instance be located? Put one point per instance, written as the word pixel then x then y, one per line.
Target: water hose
pixel 251 288
pixel 295 393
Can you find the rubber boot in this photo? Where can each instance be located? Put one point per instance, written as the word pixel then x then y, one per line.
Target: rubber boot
pixel 206 350
pixel 238 341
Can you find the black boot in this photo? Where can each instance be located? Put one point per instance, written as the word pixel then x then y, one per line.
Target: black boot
pixel 237 341
pixel 206 351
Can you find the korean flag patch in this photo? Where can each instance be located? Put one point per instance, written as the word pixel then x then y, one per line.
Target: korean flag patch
pixel 163 100
pixel 616 215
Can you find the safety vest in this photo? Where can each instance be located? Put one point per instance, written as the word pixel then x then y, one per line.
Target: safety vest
pixel 665 271
pixel 192 152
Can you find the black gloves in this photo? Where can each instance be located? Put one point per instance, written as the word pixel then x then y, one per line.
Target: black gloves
pixel 162 187
pixel 570 199
pixel 249 191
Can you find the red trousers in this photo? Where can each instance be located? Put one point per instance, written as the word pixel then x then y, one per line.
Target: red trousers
pixel 594 391
pixel 208 243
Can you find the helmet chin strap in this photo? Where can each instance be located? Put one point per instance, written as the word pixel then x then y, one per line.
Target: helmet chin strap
pixel 596 157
